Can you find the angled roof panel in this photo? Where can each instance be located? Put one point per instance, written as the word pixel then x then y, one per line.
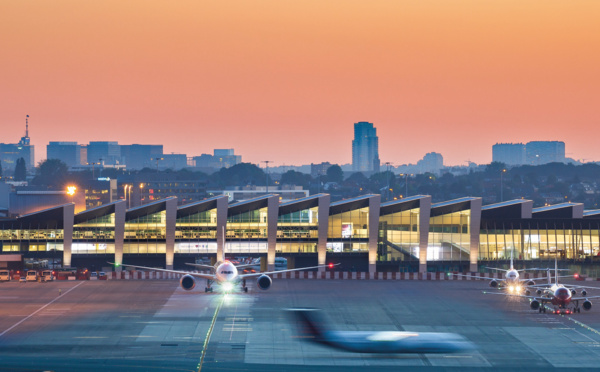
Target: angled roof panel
pixel 518 208
pixel 350 204
pixel 96 212
pixel 451 206
pixel 400 205
pixel 199 206
pixel 593 213
pixel 249 205
pixel 299 204
pixel 147 209
pixel 562 210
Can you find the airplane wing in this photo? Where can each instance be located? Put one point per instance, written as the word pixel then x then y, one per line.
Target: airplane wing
pixel 245 266
pixel 494 268
pixel 244 276
pixel 479 277
pixel 200 266
pixel 540 299
pixel 197 275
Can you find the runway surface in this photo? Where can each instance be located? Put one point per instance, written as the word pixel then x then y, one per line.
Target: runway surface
pixel 155 325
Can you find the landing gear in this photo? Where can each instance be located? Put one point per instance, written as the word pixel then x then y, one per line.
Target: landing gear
pixel 208 288
pixel 244 288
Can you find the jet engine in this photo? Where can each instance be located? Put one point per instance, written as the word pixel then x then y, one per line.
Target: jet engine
pixel 527 292
pixel 587 305
pixel 584 292
pixel 535 304
pixel 494 284
pixel 539 292
pixel 187 282
pixel 264 282
pixel 531 282
pixel 573 292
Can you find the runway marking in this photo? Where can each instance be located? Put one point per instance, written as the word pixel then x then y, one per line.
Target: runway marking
pixel 584 325
pixel 209 333
pixel 40 309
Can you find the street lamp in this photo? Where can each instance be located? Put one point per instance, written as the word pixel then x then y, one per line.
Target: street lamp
pixel 127 199
pixel 157 159
pixel 405 182
pixel 141 193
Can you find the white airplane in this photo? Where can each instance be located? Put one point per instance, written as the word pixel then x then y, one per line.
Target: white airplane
pixel 511 278
pixel 312 328
pixel 559 295
pixel 225 274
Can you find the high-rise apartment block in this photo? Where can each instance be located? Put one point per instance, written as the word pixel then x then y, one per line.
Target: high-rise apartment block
pixel 532 153
pixel 509 153
pixel 432 162
pixel 365 148
pixel 319 169
pixel 543 152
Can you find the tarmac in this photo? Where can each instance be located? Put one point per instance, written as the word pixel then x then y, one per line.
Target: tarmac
pixel 155 325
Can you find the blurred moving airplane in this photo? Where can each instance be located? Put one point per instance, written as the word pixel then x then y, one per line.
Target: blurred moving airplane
pixel 312 328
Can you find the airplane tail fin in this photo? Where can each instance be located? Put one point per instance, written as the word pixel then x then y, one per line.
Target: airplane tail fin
pixel 511 259
pixel 555 270
pixel 309 324
pixel 222 258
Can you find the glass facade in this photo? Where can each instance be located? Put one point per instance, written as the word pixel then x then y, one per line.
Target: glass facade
pixel 349 231
pixel 146 234
pixel 449 237
pixel 399 236
pixel 94 236
pixel 30 239
pixel 538 240
pixel 246 232
pixel 197 233
pixel 298 232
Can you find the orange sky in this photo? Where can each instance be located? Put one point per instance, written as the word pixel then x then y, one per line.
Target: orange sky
pixel 285 80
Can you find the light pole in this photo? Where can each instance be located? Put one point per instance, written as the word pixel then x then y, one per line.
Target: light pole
pixel 501 188
pixel 127 199
pixel 141 193
pixel 157 159
pixel 405 183
pixel 387 188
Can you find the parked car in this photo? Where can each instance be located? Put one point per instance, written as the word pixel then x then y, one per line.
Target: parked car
pixel 22 279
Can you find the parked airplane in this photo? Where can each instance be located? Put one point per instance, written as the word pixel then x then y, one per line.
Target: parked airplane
pixel 224 273
pixel 559 295
pixel 311 328
pixel 511 279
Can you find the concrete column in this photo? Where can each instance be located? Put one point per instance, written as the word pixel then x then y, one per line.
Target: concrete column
pixel 68 219
pixel 222 204
pixel 474 230
pixel 424 218
pixel 323 218
pixel 374 205
pixel 272 216
pixel 120 210
pixel 171 219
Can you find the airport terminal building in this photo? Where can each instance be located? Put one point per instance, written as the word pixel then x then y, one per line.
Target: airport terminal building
pixel 362 233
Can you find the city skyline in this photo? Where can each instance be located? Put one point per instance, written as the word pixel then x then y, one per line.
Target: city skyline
pixel 283 81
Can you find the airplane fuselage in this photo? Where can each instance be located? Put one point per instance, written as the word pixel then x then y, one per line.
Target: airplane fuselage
pixel 226 272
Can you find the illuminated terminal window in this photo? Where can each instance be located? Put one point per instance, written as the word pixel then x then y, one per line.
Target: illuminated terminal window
pixel 146 234
pixel 298 232
pixel 449 238
pixel 246 232
pixel 349 231
pixel 399 236
pixel 197 233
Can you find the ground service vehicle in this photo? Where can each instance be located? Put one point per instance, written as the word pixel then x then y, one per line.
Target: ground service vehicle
pixel 4 275
pixel 47 275
pixel 32 276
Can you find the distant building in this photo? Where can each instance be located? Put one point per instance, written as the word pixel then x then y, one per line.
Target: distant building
pixel 543 152
pixel 140 156
pixel 509 153
pixel 320 169
pixel 173 161
pixel 100 191
pixel 286 193
pixel 11 152
pixel 105 152
pixel 67 152
pixel 365 148
pixel 432 162
pixel 221 158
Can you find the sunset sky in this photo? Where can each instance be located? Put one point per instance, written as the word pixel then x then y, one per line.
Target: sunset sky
pixel 285 80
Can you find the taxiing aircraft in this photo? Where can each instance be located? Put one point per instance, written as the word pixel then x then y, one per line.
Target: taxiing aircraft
pixel 312 329
pixel 225 274
pixel 558 295
pixel 511 280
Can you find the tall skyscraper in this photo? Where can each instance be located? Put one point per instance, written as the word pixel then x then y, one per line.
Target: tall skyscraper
pixel 509 153
pixel 365 148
